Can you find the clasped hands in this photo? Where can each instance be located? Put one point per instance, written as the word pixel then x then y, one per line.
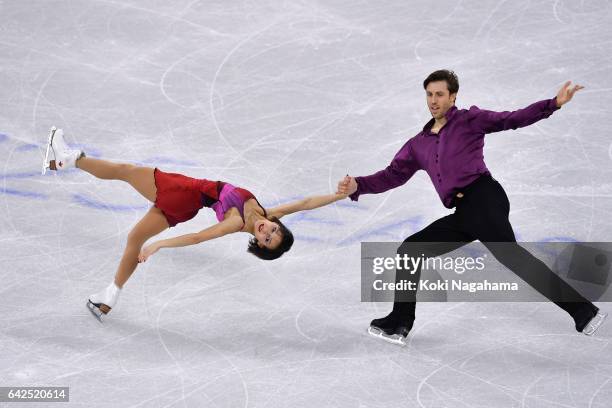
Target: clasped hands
pixel 348 185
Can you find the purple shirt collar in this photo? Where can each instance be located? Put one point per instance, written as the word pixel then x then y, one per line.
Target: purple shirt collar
pixel 450 113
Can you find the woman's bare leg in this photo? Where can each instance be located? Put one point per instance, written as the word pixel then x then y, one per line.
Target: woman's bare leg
pixel 150 225
pixel 141 178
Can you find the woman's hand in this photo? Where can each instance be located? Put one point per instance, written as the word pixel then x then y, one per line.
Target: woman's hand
pixel 340 196
pixel 348 185
pixel 147 251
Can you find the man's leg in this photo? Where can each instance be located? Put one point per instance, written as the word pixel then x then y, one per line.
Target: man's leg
pixel 544 280
pixel 442 236
pixel 492 227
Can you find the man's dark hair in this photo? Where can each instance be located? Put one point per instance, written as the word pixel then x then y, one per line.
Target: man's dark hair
pixel 270 254
pixel 452 82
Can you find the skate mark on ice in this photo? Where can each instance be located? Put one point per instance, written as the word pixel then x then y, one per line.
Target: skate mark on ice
pixel 26 147
pixel 559 238
pixel 162 81
pixel 299 330
pixel 22 193
pixel 598 390
pixel 168 160
pixel 225 357
pixel 304 217
pixel 556 14
pixel 352 206
pixel 99 205
pixel 529 387
pixel 387 230
pixel 214 84
pixel 21 175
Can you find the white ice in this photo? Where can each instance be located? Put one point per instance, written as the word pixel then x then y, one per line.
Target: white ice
pixel 284 98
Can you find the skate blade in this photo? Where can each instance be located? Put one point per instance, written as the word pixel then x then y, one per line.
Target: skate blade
pixel 595 323
pixel 396 339
pixel 96 310
pixel 49 164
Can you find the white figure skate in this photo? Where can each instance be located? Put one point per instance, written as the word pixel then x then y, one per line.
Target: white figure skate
pixel 101 303
pixel 59 156
pixel 595 323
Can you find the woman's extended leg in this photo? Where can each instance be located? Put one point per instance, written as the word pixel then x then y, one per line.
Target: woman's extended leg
pixel 141 178
pixel 150 225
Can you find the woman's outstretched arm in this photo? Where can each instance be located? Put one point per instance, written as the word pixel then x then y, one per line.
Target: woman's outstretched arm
pixel 308 203
pixel 227 226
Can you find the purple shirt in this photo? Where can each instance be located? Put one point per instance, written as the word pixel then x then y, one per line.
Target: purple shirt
pixel 452 158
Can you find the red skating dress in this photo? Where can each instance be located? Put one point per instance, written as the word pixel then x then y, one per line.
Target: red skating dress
pixel 180 197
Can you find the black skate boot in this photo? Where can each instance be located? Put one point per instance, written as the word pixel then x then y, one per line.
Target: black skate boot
pixel 588 321
pixel 392 329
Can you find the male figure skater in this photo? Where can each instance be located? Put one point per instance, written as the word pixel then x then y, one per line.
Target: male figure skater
pixel 450 150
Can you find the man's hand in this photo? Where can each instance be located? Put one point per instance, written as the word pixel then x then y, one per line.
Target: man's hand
pixel 347 185
pixel 566 93
pixel 147 251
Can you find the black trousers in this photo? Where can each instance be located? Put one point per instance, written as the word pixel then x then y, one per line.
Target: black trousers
pixel 482 214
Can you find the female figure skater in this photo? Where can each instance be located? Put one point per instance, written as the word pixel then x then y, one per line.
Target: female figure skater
pixel 177 198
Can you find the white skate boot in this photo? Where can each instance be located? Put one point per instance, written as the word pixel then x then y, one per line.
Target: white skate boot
pixel 102 302
pixel 59 156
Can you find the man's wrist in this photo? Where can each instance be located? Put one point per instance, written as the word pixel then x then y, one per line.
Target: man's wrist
pixel 355 194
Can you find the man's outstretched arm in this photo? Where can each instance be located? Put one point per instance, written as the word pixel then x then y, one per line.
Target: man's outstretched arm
pixel 487 121
pixel 398 172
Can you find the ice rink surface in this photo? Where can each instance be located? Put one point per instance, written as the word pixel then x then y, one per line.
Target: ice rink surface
pixel 284 98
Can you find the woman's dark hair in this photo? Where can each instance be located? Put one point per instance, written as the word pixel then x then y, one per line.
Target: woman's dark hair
pixel 452 82
pixel 270 254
